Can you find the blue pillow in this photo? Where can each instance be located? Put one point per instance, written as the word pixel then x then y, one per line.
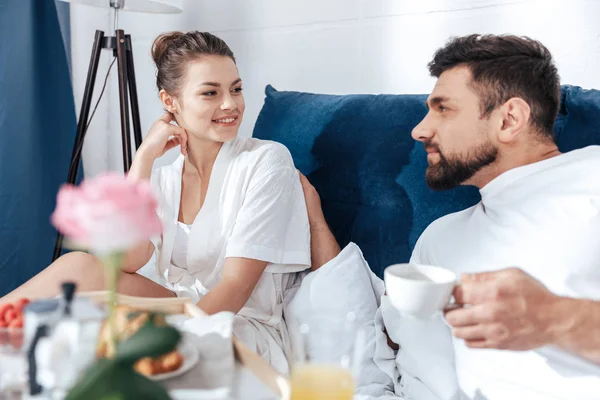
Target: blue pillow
pixel 578 121
pixel 358 152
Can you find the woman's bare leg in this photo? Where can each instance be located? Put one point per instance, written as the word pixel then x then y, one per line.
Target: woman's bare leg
pixel 87 272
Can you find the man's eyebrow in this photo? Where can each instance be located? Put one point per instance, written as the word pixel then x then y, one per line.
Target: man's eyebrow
pixel 435 101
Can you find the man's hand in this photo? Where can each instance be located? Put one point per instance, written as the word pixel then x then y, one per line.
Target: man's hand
pixel 323 246
pixel 506 309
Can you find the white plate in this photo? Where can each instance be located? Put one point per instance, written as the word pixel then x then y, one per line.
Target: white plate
pixel 190 359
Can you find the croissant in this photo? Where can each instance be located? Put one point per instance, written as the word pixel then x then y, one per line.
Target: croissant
pixel 129 320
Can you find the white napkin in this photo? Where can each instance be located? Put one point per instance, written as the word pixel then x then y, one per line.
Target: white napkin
pixel 213 376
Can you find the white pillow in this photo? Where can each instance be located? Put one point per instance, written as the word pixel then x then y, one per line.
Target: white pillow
pixel 345 284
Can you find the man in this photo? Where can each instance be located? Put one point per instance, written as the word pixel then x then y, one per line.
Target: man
pixel 528 254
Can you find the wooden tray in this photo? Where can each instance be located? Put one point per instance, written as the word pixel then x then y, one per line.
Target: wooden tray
pixel 275 381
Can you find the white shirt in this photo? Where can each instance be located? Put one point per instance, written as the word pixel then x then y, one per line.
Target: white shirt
pixel 254 208
pixel 545 219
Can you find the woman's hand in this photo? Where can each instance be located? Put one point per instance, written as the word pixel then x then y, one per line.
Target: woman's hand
pixel 162 137
pixel 316 218
pixel 323 245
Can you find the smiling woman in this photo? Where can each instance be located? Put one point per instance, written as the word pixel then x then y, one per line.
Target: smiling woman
pixel 235 227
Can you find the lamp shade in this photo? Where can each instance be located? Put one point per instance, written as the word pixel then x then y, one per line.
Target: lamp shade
pixel 148 6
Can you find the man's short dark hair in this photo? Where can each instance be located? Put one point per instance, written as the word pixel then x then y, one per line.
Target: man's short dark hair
pixel 506 66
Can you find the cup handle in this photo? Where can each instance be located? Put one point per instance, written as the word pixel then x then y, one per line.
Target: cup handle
pixel 452 305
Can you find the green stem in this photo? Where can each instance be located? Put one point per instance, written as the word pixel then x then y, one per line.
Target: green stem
pixel 112 264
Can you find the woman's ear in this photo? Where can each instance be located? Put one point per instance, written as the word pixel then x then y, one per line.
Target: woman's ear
pixel 168 101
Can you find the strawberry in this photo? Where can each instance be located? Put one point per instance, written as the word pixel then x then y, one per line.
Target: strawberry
pixel 10 315
pixel 20 304
pixel 4 308
pixel 16 323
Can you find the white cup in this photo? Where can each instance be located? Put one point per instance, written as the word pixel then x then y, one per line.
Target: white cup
pixel 419 290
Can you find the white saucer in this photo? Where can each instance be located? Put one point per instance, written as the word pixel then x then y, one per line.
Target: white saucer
pixel 192 394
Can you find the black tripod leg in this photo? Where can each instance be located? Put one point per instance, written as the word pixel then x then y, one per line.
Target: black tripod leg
pixel 135 109
pixel 81 124
pixel 124 103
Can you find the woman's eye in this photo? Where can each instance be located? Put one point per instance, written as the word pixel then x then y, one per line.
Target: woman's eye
pixel 238 90
pixel 213 93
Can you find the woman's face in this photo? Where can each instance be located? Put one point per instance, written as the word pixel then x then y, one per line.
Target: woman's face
pixel 210 105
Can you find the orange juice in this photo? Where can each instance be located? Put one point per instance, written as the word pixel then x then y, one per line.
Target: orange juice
pixel 321 381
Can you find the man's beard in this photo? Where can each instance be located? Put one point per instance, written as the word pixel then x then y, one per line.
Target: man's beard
pixel 450 172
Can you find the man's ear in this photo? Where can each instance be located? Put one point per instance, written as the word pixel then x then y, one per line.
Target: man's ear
pixel 515 114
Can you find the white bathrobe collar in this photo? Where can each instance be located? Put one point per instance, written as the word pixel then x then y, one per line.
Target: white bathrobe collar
pixel 199 238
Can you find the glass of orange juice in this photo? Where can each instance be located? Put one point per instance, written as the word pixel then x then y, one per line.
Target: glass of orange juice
pixel 324 367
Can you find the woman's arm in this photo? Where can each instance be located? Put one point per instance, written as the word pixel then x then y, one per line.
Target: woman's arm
pixel 141 169
pixel 161 137
pixel 269 225
pixel 240 277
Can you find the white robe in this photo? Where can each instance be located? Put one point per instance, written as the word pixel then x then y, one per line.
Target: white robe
pixel 254 208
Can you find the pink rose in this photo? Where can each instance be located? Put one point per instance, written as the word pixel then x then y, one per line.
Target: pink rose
pixel 106 214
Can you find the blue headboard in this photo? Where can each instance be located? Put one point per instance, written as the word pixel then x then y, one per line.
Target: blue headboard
pixel 358 153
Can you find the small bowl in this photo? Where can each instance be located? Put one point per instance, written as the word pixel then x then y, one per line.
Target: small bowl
pixel 13 365
pixel 11 339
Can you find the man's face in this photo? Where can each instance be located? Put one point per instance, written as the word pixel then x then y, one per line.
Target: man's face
pixel 458 141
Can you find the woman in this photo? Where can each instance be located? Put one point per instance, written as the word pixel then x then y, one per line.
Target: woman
pixel 236 230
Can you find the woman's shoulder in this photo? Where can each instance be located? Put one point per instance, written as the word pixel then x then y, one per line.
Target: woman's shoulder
pixel 263 154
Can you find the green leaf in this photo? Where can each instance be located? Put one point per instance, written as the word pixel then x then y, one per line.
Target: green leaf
pixel 96 382
pixel 108 380
pixel 149 341
pixel 136 386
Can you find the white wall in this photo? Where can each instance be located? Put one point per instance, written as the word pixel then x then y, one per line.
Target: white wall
pixel 327 46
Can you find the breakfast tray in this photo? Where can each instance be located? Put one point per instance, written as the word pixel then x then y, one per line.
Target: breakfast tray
pixel 278 383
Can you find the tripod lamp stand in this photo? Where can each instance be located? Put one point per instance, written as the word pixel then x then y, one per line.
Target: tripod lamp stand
pixel 121 47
